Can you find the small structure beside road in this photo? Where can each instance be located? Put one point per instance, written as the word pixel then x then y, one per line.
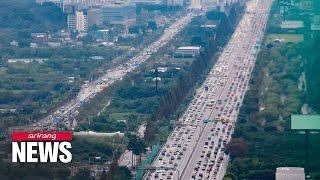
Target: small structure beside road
pixel 290 173
pixel 97 134
pixel 187 51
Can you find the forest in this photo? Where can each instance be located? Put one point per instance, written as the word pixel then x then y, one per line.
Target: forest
pixel 263 122
pixel 262 140
pixel 313 73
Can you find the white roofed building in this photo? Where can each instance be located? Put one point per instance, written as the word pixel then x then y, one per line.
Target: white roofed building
pixel 187 51
pixel 290 173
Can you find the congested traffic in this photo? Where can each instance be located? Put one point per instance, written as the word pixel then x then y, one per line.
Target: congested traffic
pixel 196 149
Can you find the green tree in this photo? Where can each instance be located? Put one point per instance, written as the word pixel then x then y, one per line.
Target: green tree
pixel 137 146
pixel 117 173
pixel 82 174
pixel 237 147
pixel 152 25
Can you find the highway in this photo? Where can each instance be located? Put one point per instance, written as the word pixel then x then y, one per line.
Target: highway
pixel 67 113
pixel 196 147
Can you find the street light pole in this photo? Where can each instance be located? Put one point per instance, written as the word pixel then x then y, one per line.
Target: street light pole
pixel 307 132
pixel 156 75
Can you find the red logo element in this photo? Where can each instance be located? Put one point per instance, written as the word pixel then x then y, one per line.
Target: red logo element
pixel 41 136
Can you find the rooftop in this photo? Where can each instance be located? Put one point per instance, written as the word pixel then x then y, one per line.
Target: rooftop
pixel 290 170
pixel 292 24
pixel 189 48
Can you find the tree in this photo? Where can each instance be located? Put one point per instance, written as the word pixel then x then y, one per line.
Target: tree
pixel 104 175
pixel 136 145
pixel 214 15
pixel 152 25
pixel 196 40
pixel 116 173
pixel 62 172
pixel 237 147
pixel 82 174
pixel 150 131
pixel 134 29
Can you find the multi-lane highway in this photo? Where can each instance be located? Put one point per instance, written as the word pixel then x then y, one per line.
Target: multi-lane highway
pixel 196 147
pixel 67 113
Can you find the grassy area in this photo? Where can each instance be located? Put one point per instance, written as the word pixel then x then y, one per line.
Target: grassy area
pixel 107 148
pixel 34 89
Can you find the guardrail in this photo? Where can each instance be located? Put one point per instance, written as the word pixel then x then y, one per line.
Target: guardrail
pixel 148 161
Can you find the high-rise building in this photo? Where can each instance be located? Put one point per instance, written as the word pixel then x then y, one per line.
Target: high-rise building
pixel 82 22
pixel 118 15
pixel 195 4
pixel 78 21
pixel 209 3
pixel 94 16
pixel 72 21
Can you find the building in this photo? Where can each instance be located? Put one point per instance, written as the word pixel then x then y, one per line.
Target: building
pixel 27 60
pixel 195 4
pixel 78 21
pixel 70 8
pixel 59 3
pixel 118 15
pixel 187 51
pixel 101 35
pixel 82 22
pixel 292 24
pixel 14 43
pixel 63 35
pixel 146 1
pixel 54 44
pixel 33 45
pixel 98 134
pixel 306 5
pixel 315 25
pixel 175 2
pixel 39 38
pixel 290 173
pixel 72 21
pixel 209 4
pixel 94 17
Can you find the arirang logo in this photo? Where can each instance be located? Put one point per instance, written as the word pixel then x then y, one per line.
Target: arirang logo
pixel 51 136
pixel 41 147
